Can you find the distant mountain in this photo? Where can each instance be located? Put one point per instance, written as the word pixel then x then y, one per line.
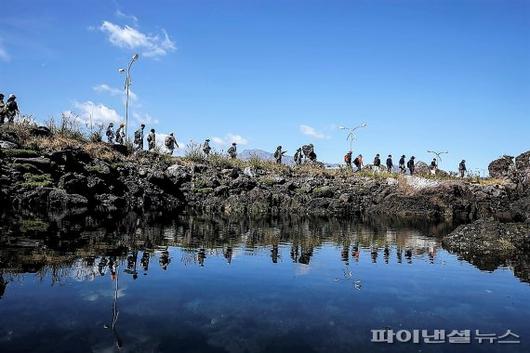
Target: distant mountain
pixel 289 160
pixel 247 154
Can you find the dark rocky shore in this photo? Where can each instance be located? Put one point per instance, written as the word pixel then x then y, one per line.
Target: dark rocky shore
pixel 40 176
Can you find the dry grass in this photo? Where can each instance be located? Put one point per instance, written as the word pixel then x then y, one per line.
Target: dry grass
pixel 491 181
pixel 21 128
pixel 53 143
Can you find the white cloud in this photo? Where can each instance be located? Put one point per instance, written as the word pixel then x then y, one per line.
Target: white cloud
pixel 113 91
pixel 130 38
pixel 218 140
pixel 4 55
pixel 310 131
pixel 121 14
pixel 144 118
pixel 228 139
pixel 97 113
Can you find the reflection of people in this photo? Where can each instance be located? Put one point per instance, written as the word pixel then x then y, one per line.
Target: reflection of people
pixel 432 254
pixel 102 266
pixel 399 254
pixel 115 311
pixel 145 261
pixel 305 257
pixel 201 256
pixel 408 255
pixel 228 254
pixel 355 252
pixel 386 254
pixel 345 253
pixel 374 255
pixel 112 267
pixel 164 259
pixel 274 253
pixel 294 252
pixel 132 261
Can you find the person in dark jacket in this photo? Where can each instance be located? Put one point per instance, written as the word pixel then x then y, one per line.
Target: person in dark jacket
pixel 411 165
pixel 347 159
pixel 462 168
pixel 358 161
pixel 389 164
pixel 377 161
pixel 434 166
pixel 402 168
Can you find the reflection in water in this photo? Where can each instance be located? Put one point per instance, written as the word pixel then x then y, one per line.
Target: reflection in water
pixel 210 285
pixel 115 312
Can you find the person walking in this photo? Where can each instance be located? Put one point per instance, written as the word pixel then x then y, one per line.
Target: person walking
pixel 462 168
pixel 11 108
pixel 151 140
pixel 120 134
pixel 411 165
pixel 232 151
pixel 348 160
pixel 434 166
pixel 171 143
pixel 139 138
pixel 402 168
pixel 389 164
pixel 206 147
pixel 358 161
pixel 110 133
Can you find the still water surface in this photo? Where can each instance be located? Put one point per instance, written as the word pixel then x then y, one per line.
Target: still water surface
pixel 204 286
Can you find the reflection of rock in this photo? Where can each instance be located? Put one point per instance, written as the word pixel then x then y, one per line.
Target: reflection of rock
pixel 3 285
pixel 7 145
pixel 488 243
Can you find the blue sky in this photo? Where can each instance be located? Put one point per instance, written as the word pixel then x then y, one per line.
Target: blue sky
pixel 440 75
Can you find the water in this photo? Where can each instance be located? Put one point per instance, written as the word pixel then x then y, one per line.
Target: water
pixel 195 285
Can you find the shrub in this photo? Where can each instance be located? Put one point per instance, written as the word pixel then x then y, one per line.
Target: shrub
pixel 36 180
pixel 20 153
pixel 67 126
pixel 193 152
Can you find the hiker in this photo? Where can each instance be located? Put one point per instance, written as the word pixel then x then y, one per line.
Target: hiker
pixel 402 168
pixel 279 154
pixel 377 162
pixel 462 168
pixel 358 161
pixel 347 159
pixel 170 143
pixel 434 166
pixel 206 147
pixel 410 165
pixel 151 140
pixel 11 109
pixel 120 134
pixel 232 151
pixel 309 152
pixel 2 109
pixel 139 138
pixel 389 164
pixel 298 157
pixel 110 133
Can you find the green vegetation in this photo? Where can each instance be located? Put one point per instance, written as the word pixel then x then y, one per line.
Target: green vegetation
pixel 33 226
pixel 193 153
pixel 20 153
pixel 34 180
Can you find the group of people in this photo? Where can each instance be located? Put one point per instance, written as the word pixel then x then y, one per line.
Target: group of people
pixel 403 164
pixel 118 137
pixel 8 109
